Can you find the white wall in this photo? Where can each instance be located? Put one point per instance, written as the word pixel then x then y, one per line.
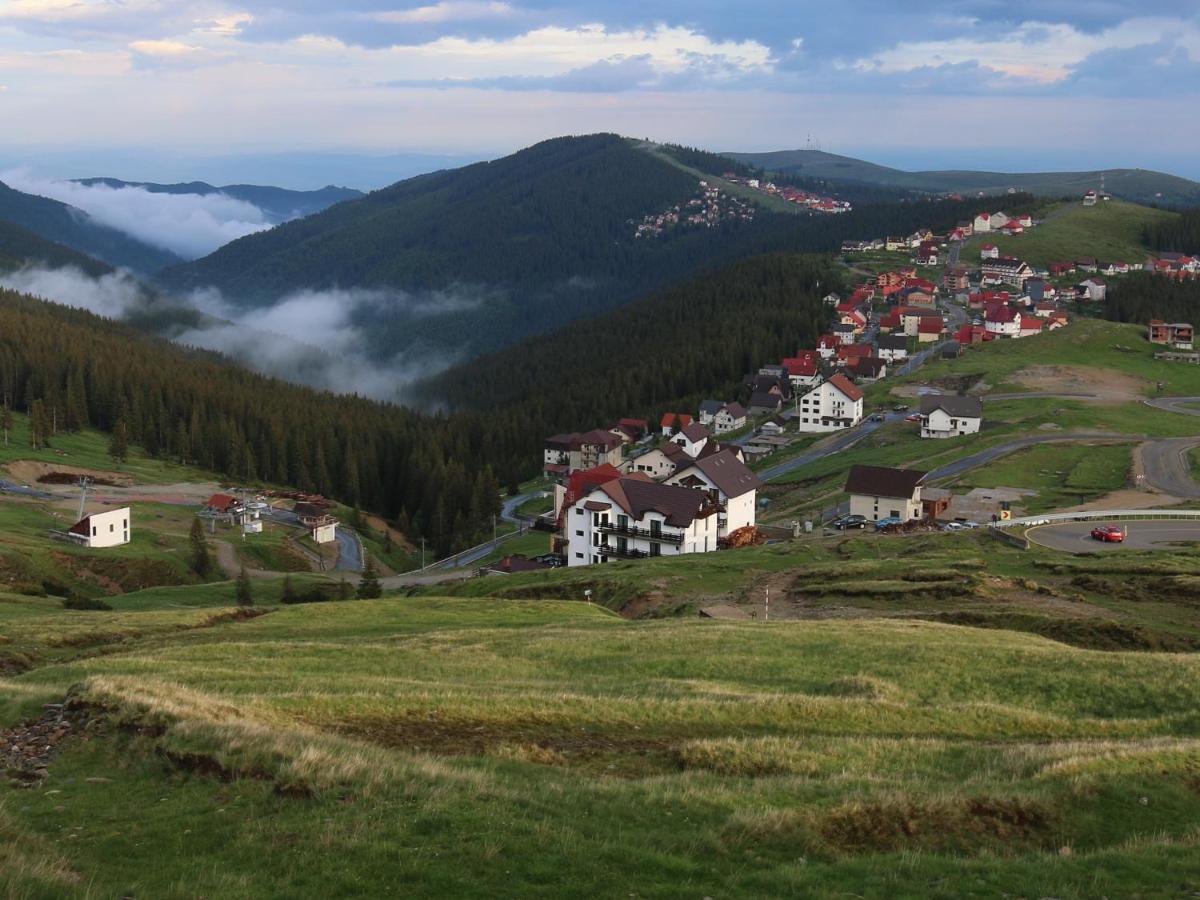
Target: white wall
pixel 876 508
pixel 323 534
pixel 939 424
pixel 108 529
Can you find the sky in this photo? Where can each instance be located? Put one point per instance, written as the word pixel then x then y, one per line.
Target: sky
pixel 241 89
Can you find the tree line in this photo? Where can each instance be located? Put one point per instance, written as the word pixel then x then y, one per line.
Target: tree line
pixel 1179 233
pixel 1142 296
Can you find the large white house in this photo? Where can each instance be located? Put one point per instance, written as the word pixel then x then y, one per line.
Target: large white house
pixel 728 482
pixel 879 492
pixel 692 438
pixel 730 417
pixel 950 416
pixel 636 518
pixel 892 347
pixel 831 405
pixel 103 529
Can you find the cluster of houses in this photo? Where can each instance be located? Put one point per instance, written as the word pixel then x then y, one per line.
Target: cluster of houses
pixel 709 208
pixel 1176 335
pixel 625 497
pixel 247 514
pixel 812 202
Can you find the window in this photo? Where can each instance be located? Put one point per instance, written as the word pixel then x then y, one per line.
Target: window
pixel 656 549
pixel 93 531
pixel 111 528
pixel 579 556
pixel 578 511
pixel 579 533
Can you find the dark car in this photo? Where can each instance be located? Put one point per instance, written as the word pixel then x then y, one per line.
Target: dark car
pixel 845 522
pixel 900 407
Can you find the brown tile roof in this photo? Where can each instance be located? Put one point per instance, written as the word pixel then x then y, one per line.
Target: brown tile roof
pixel 680 506
pixel 843 384
pixel 728 473
pixel 881 481
pixel 696 432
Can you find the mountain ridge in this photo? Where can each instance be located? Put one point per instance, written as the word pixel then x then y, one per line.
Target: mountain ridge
pixel 1139 185
pixel 279 203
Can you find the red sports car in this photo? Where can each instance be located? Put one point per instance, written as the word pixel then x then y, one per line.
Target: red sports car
pixel 1108 533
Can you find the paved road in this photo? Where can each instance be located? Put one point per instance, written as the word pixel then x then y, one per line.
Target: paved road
pixel 11 487
pixel 835 443
pixel 1075 537
pixel 1176 405
pixel 1168 467
pixel 350 551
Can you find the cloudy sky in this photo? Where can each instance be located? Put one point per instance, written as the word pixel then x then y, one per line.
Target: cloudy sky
pixel 977 83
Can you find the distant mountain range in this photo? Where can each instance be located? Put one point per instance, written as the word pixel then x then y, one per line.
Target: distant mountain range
pixel 1138 185
pixel 62 224
pixel 280 204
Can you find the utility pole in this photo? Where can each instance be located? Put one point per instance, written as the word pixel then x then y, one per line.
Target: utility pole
pixel 493 527
pixel 422 553
pixel 767 608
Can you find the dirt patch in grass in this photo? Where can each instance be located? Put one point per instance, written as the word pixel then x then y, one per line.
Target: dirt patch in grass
pixel 1106 385
pixel 950 825
pixel 31 471
pixel 608 752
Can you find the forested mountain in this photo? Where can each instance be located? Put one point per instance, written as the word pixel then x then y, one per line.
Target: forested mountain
pixel 280 204
pixel 1180 234
pixel 495 252
pixel 1143 296
pixel 666 352
pixel 19 247
pixel 1139 185
pixel 437 475
pixel 63 224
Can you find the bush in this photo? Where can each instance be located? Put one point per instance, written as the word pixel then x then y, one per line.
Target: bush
pixel 86 603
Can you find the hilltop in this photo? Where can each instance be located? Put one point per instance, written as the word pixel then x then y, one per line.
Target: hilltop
pixel 1139 185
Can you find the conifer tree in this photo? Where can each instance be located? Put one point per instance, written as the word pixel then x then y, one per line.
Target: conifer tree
pixel 369 587
pixel 201 560
pixel 118 444
pixel 244 590
pixel 288 593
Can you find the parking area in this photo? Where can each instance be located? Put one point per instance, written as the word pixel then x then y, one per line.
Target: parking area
pixel 1076 537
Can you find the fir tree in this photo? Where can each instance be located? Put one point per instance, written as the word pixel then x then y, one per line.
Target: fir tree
pixel 369 587
pixel 288 593
pixel 201 560
pixel 345 592
pixel 118 444
pixel 244 590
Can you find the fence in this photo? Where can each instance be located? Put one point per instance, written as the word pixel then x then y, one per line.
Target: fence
pixel 1003 530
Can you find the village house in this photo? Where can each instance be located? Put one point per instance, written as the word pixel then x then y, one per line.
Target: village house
pixel 1057 269
pixel 832 405
pixel 867 368
pixel 845 333
pixel 930 329
pixel 892 347
pixel 692 438
pixel 672 422
pixel 730 417
pixel 956 279
pixel 927 253
pixel 827 346
pixel 1092 288
pixel 773 427
pixel 989 251
pixel 109 528
pixel 1179 335
pixel 728 483
pixel 1028 326
pixel 803 369
pixel 949 416
pixel 709 410
pixel 879 492
pixel 1002 321
pixel 972 334
pixel 1087 264
pixel 630 431
pixel 1007 269
pixel 635 518
pixel 594 448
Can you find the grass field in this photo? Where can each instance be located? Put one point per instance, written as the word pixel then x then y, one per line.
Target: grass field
pixel 1061 475
pixel 440 747
pixel 1110 232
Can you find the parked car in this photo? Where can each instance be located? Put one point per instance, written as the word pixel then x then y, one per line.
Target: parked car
pixel 900 407
pixel 888 522
pixel 1108 533
pixel 846 522
pixel 913 417
pixel 970 524
pixel 878 417
pixel 954 526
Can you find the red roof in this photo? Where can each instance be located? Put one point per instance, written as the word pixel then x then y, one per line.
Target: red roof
pixel 988 247
pixel 1031 323
pixel 931 325
pixel 846 386
pixel 670 420
pixel 1001 314
pixel 222 502
pixel 891 320
pixel 801 366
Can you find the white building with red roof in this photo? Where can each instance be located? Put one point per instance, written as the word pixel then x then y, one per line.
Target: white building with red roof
pixel 832 405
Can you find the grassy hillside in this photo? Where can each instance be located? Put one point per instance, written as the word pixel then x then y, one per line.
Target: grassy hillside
pixel 63 224
pixel 335 749
pixel 1140 185
pixel 1110 232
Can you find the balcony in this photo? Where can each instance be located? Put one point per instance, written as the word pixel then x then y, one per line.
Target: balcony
pixel 669 537
pixel 614 550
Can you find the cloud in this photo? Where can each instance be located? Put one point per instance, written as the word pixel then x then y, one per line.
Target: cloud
pixel 446 11
pixel 190 225
pixel 320 338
